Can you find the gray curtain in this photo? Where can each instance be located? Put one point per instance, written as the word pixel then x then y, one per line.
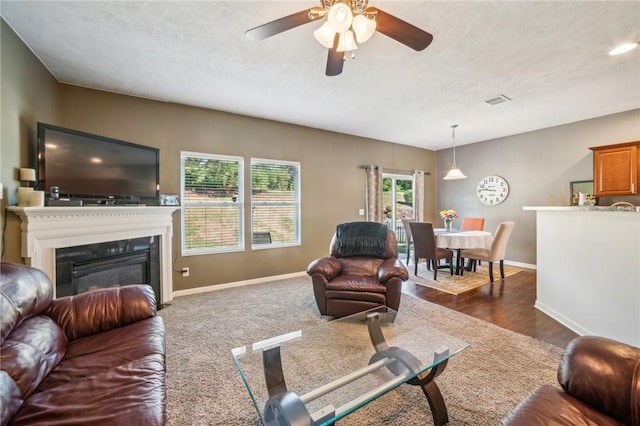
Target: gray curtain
pixel 418 195
pixel 374 193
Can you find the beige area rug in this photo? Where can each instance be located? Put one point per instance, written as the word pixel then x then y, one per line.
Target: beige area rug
pixel 480 385
pixel 456 284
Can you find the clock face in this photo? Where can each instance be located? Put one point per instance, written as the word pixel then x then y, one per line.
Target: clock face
pixel 492 190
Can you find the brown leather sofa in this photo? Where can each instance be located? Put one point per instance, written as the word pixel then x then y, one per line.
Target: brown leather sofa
pixel 347 284
pixel 600 380
pixel 96 358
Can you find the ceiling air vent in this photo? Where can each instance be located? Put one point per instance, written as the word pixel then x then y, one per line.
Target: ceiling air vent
pixel 497 100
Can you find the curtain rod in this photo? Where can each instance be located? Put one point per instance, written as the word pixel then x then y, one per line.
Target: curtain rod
pixel 392 171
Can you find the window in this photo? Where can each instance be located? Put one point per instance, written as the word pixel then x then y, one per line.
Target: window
pixel 275 203
pixel 212 203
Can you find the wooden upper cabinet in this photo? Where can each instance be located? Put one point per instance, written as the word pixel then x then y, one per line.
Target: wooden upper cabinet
pixel 616 169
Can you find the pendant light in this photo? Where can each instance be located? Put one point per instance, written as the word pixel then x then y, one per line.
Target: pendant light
pixel 454 172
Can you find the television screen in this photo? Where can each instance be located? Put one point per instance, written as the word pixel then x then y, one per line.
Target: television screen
pixel 91 167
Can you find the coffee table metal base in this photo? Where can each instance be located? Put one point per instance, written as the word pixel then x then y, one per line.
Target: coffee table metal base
pixel 285 408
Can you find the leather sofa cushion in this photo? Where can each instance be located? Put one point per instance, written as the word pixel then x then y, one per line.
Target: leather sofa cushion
pixel 115 377
pixel 97 353
pixel 101 310
pixel 359 296
pixel 29 354
pixel 367 266
pixel 129 394
pixel 356 283
pixel 549 405
pixel 24 293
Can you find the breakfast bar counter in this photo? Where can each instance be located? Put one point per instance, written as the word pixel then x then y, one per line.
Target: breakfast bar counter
pixel 588 269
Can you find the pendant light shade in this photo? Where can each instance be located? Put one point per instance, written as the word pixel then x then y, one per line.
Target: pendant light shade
pixel 454 172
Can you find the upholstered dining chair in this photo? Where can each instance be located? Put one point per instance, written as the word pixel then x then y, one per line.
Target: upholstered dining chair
pixel 424 247
pixel 472 224
pixel 361 272
pixel 497 251
pixel 407 233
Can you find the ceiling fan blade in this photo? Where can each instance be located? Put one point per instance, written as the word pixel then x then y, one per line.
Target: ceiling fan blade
pixel 280 25
pixel 335 59
pixel 401 31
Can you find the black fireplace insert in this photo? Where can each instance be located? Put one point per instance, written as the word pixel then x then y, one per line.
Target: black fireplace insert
pixel 114 263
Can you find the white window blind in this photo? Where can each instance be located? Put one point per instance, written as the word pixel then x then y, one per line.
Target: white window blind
pixel 275 203
pixel 212 203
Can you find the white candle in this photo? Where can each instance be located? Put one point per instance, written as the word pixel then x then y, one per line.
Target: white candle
pixel 24 194
pixel 36 199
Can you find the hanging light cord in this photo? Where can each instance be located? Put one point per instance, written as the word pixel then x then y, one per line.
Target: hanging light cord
pixel 453 135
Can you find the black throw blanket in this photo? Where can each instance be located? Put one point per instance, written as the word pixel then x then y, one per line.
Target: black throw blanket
pixel 362 239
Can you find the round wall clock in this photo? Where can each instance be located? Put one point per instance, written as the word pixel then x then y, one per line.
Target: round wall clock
pixel 492 190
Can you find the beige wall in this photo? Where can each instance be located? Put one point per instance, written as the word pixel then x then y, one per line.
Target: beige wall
pixel 538 166
pixel 29 94
pixel 332 182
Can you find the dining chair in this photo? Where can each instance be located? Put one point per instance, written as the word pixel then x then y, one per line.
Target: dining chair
pixel 407 233
pixel 472 224
pixel 496 252
pixel 424 247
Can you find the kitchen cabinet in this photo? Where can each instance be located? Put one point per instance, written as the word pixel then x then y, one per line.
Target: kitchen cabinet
pixel 616 169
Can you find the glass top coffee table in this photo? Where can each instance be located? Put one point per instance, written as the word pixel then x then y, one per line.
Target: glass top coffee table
pixel 319 374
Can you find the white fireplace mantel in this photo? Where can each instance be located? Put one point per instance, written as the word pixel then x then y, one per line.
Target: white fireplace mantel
pixel 45 229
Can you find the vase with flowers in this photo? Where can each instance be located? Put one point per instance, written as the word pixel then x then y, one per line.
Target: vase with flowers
pixel 448 216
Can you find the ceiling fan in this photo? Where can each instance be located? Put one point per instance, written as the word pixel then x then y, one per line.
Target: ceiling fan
pixel 348 22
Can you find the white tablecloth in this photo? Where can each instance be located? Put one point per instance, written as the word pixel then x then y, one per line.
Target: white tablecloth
pixel 463 239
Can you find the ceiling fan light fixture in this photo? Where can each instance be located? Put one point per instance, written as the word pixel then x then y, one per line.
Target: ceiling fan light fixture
pixel 325 35
pixel 454 173
pixel 346 42
pixel 363 27
pixel 623 48
pixel 340 17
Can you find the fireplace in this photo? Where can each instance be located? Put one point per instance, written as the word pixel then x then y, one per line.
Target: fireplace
pixel 92 266
pixel 132 243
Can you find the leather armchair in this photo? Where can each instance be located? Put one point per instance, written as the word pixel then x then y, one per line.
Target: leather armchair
pixel 344 285
pixel 600 380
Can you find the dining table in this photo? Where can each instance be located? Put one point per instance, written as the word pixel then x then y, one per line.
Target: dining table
pixel 458 239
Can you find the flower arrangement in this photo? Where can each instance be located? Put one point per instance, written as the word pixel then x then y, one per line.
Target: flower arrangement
pixel 448 214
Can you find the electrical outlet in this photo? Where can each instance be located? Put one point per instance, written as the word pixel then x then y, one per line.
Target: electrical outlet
pixel 361 212
pixel 185 272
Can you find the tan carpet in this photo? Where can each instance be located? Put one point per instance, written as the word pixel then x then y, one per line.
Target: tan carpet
pixel 480 385
pixel 456 284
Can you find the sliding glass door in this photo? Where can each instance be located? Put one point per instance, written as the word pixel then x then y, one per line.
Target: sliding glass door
pixel 397 199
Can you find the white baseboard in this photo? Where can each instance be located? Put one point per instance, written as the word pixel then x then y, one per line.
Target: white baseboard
pixel 261 280
pixel 520 264
pixel 562 319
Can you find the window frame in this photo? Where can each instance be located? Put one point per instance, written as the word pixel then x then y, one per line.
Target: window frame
pixel 297 204
pixel 239 246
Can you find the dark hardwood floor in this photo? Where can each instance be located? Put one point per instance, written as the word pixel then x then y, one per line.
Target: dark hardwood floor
pixel 507 303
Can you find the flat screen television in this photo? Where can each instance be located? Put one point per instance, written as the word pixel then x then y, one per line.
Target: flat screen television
pixel 96 169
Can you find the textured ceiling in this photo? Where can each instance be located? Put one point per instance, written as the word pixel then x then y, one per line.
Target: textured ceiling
pixel 549 57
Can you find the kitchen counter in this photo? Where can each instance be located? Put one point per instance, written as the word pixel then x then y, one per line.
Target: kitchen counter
pixel 587 208
pixel 588 269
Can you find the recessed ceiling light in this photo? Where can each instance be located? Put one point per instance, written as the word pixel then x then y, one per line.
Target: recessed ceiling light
pixel 623 48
